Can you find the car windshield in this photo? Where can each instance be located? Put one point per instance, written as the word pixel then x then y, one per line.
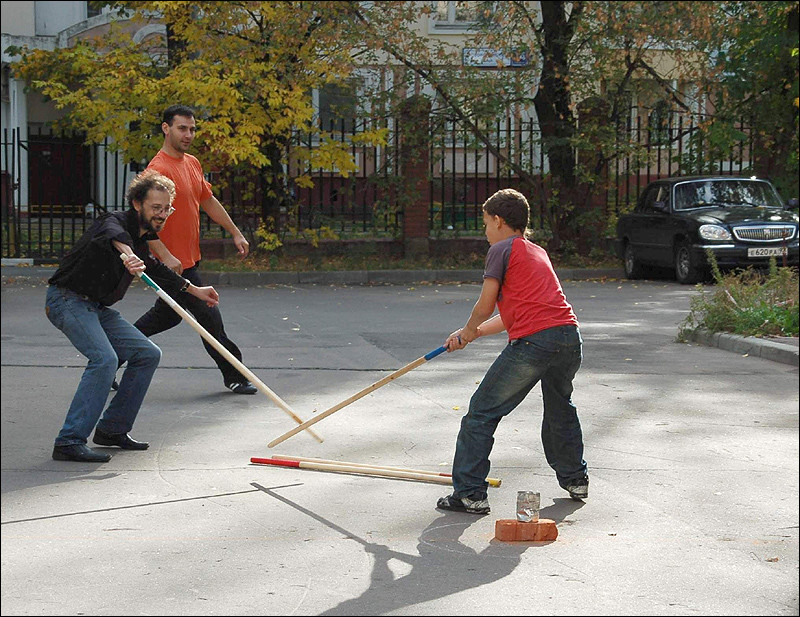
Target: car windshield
pixel 705 193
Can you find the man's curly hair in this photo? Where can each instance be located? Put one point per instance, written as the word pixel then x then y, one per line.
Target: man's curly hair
pixel 149 179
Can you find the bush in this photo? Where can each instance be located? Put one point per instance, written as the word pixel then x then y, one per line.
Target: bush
pixel 748 303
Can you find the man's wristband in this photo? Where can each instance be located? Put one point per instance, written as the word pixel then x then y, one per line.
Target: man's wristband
pixel 186 283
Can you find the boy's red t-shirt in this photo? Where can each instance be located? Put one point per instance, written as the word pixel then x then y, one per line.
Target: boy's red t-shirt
pixel 531 298
pixel 181 232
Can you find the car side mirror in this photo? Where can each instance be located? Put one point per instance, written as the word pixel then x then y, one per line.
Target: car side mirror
pixel 661 206
pixel 792 204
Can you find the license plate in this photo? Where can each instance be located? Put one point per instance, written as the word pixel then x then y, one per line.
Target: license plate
pixel 777 251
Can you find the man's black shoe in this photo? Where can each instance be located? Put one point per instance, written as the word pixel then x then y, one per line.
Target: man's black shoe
pixel 122 440
pixel 79 452
pixel 243 387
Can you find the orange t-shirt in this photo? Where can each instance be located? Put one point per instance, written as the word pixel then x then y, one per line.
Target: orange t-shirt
pixel 181 232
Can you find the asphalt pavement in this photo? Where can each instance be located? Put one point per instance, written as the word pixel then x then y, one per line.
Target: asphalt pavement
pixel 777 349
pixel 692 453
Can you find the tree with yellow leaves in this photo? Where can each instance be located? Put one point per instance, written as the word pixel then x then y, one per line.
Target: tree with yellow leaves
pixel 248 69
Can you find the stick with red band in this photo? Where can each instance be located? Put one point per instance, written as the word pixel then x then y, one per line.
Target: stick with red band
pixel 375 470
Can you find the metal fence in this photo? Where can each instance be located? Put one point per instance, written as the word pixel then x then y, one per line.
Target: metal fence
pixel 465 171
pixel 53 186
pixel 365 202
pixel 674 146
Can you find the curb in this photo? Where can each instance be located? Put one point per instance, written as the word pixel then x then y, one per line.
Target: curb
pixel 13 271
pixel 378 277
pixel 777 351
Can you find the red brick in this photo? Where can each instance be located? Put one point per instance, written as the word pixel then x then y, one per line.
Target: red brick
pixel 512 530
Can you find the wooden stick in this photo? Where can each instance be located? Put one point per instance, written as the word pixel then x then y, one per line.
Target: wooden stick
pixel 358 395
pixel 207 336
pixel 344 468
pixel 495 482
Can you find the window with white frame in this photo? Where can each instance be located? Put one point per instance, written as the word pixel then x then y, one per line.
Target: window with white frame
pixel 455 15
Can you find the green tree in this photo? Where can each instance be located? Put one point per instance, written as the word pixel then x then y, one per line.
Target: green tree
pixel 250 67
pixel 587 62
pixel 761 84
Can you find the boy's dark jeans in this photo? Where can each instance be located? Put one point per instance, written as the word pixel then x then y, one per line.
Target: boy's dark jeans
pixel 552 356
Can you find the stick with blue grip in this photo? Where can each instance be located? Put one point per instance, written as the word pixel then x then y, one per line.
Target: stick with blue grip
pixel 208 337
pixel 358 395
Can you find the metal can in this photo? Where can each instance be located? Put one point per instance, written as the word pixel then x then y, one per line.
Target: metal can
pixel 528 506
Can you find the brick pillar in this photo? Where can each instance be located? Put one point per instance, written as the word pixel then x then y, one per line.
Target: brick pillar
pixel 415 170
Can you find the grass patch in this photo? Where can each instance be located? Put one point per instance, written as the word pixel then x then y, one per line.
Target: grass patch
pixel 259 261
pixel 748 303
pixel 276 263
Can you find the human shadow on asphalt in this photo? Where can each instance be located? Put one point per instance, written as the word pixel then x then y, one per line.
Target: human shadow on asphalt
pixel 442 567
pixel 561 509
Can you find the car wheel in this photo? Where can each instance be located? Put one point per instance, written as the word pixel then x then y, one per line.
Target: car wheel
pixel 633 269
pixel 687 271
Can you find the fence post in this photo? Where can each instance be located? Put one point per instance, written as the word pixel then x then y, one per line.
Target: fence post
pixel 415 169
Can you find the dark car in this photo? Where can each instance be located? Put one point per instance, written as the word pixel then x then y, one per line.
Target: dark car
pixel 743 221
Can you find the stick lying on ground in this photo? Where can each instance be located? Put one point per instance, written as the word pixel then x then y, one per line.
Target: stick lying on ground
pixel 218 346
pixel 495 482
pixel 358 395
pixel 367 470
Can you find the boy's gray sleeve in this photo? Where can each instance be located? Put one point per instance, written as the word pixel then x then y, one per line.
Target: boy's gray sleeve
pixel 495 266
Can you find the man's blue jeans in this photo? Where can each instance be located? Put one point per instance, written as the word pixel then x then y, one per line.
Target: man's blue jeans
pixel 552 356
pixel 103 336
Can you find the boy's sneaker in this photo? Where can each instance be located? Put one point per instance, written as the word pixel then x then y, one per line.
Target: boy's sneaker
pixel 463 504
pixel 578 488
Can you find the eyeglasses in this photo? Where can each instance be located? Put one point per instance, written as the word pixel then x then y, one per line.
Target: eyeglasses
pixel 166 211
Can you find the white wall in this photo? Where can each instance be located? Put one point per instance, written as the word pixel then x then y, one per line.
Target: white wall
pixel 18 18
pixel 53 17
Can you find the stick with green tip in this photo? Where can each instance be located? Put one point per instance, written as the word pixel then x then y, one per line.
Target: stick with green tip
pixel 218 346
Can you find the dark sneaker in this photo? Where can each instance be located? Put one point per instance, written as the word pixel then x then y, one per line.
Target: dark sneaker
pixel 578 488
pixel 241 387
pixel 115 385
pixel 464 504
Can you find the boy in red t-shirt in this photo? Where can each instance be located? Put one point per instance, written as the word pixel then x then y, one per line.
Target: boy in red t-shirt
pixel 544 344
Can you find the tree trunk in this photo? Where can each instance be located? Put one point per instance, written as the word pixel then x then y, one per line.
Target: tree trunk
pixel 552 104
pixel 276 202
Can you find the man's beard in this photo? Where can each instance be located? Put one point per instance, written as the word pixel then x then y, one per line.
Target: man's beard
pixel 148 225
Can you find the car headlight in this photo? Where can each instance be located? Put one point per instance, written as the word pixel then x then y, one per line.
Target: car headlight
pixel 714 232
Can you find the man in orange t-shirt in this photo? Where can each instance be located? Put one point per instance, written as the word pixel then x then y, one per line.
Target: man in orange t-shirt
pixel 178 244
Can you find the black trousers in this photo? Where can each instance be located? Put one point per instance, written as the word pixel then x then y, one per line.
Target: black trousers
pixel 162 317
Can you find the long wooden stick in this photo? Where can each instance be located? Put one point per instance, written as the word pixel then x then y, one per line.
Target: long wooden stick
pixel 344 468
pixel 495 482
pixel 207 336
pixel 408 367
